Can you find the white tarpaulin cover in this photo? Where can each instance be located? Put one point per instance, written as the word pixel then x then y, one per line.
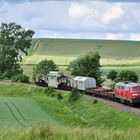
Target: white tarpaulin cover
pixel 82 83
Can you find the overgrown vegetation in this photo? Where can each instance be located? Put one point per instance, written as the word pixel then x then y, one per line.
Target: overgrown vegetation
pixel 21 78
pixel 74 95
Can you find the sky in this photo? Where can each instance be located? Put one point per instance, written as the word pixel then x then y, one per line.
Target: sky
pixel 86 19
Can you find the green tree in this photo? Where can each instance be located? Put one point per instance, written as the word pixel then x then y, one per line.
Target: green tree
pixel 14 41
pixel 87 65
pixel 112 75
pixel 127 75
pixel 44 67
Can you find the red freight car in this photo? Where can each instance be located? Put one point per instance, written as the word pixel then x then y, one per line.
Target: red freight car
pixel 127 92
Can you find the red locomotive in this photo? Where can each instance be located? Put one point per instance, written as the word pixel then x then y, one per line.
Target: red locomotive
pixel 128 92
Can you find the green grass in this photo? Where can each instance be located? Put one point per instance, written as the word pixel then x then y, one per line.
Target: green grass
pixel 80 120
pixel 62 51
pixel 21 112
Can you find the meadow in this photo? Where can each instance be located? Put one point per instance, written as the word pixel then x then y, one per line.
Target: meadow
pixel 47 118
pixel 62 51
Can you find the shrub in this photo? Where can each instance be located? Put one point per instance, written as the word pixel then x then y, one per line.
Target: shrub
pixel 74 95
pixel 49 90
pixel 24 79
pixel 21 78
pixel 95 101
pixel 16 78
pixel 112 75
pixel 127 75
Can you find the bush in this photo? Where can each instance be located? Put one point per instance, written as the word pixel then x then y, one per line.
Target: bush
pixel 49 90
pixel 74 95
pixel 127 75
pixel 21 78
pixel 24 79
pixel 112 75
pixel 95 101
pixel 16 78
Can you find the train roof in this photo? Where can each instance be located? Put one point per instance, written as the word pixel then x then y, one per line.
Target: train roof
pixel 82 78
pixel 128 84
pixel 55 73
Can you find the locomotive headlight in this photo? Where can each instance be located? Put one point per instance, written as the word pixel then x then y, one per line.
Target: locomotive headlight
pixel 135 94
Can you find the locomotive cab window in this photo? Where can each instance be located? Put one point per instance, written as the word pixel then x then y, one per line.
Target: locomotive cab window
pixel 136 88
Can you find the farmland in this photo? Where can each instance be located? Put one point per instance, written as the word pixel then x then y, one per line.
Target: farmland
pixel 50 119
pixel 62 51
pixel 15 112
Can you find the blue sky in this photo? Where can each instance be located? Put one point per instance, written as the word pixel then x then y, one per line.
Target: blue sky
pixel 92 19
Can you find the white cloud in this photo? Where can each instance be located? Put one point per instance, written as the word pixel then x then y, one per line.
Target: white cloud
pixel 78 10
pixel 75 19
pixel 134 36
pixel 115 36
pixel 113 12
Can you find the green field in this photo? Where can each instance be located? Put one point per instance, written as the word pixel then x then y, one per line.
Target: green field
pixel 62 51
pixel 21 112
pixel 43 117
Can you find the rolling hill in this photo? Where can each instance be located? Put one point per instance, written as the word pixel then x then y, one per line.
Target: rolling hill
pixel 62 51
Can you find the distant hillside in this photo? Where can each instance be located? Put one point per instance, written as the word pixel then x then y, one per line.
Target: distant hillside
pixel 62 51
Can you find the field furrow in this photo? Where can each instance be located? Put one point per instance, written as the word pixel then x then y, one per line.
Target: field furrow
pixel 21 115
pixel 21 112
pixel 13 113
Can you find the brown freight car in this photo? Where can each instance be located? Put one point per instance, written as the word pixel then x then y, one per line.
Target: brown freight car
pixel 101 92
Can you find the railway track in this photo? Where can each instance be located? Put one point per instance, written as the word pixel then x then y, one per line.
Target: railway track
pixel 120 106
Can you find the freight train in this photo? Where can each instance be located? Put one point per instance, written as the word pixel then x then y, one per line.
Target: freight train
pixel 126 91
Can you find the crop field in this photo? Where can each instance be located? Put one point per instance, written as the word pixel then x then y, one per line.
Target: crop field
pixel 25 110
pixel 21 112
pixel 62 51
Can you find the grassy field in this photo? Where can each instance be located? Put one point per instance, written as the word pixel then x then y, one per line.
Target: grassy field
pixel 80 120
pixel 62 51
pixel 21 112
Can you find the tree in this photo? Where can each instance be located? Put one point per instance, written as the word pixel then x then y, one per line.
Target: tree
pixel 112 75
pixel 127 75
pixel 14 41
pixel 44 67
pixel 87 65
